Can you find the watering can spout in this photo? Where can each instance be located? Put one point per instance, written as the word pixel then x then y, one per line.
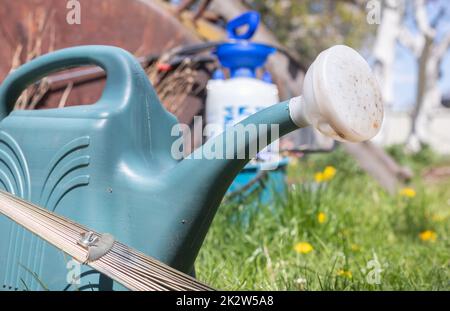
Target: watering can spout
pixel 340 98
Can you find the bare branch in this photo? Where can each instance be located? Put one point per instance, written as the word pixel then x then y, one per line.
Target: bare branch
pixel 410 41
pixel 422 20
pixel 442 47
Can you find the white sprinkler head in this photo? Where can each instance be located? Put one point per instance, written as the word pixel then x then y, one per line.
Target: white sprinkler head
pixel 341 97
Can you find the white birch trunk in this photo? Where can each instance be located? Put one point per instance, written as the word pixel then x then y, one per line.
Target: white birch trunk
pixel 384 53
pixel 429 54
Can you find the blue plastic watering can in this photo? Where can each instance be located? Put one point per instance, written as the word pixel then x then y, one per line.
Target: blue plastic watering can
pixel 110 165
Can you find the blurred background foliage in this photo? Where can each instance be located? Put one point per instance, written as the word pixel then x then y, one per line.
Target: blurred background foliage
pixel 310 26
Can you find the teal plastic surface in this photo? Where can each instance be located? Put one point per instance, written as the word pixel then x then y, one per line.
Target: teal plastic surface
pixel 109 167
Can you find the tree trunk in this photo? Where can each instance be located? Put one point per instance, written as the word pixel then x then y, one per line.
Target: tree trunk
pixel 429 96
pixel 384 54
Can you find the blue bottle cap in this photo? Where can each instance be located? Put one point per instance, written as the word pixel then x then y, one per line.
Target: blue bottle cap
pixel 239 55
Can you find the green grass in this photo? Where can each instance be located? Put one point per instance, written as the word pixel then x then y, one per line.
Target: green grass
pixel 252 247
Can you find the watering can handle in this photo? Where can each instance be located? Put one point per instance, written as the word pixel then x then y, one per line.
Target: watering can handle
pixel 250 18
pixel 121 68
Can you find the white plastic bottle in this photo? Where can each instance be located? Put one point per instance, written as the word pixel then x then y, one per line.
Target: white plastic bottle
pixel 230 100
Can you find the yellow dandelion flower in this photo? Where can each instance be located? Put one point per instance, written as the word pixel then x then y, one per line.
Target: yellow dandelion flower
pixel 428 235
pixel 345 273
pixel 408 192
pixel 321 217
pixel 318 177
pixel 329 172
pixel 303 248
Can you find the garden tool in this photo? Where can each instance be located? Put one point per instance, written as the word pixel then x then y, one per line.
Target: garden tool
pixel 111 166
pixel 127 266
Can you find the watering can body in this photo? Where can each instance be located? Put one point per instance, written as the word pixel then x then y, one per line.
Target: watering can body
pixel 98 165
